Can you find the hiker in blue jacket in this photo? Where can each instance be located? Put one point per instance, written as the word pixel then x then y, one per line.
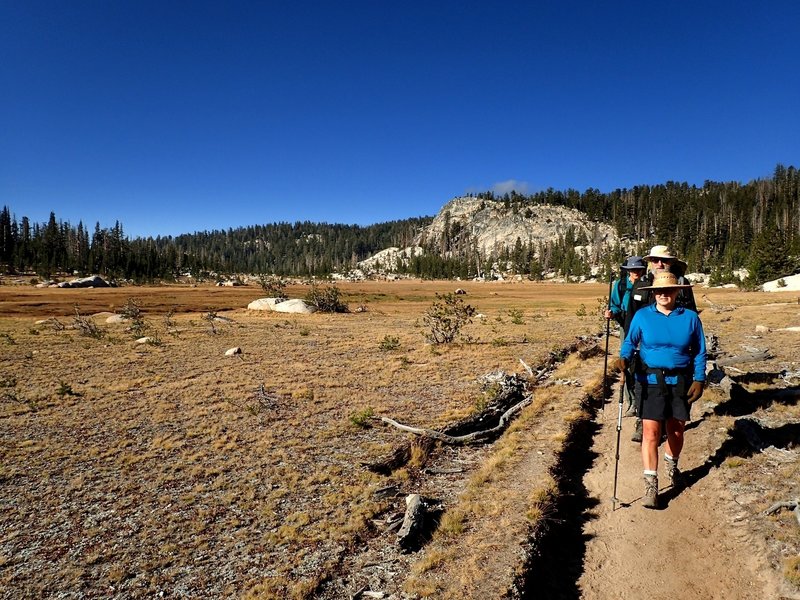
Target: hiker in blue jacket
pixel 672 349
pixel 632 270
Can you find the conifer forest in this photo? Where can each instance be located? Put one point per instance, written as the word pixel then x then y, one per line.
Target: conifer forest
pixel 717 228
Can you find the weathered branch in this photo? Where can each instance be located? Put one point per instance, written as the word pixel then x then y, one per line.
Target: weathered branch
pixel 469 438
pixel 745 358
pixel 793 505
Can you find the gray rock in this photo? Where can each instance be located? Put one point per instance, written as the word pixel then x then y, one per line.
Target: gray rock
pixel 265 303
pixel 295 305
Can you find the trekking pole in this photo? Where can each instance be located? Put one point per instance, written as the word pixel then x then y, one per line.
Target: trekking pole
pixel 605 362
pixel 619 430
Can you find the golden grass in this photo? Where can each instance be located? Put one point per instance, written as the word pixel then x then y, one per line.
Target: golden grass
pixel 158 454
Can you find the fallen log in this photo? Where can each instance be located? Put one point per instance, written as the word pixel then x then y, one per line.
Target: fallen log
pixel 417 521
pixel 793 505
pixel 469 438
pixel 745 358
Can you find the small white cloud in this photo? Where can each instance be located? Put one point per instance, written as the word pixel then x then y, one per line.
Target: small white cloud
pixel 509 185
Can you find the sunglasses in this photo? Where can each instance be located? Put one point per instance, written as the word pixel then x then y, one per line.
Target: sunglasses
pixel 662 261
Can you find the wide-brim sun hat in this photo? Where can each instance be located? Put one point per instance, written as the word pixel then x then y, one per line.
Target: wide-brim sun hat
pixel 664 280
pixel 663 252
pixel 633 263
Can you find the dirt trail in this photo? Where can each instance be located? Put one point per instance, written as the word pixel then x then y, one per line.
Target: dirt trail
pixel 690 548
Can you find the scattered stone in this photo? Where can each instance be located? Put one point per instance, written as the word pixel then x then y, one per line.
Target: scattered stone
pixel 762 329
pixel 144 340
pixel 115 319
pixel 233 351
pixel 460 292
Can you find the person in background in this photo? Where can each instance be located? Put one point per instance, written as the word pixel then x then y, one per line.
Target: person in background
pixel 632 271
pixel 662 257
pixel 672 348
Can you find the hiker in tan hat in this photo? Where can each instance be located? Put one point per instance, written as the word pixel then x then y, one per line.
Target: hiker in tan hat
pixel 662 257
pixel 672 350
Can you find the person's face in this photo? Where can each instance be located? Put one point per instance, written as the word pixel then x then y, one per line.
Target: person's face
pixel 658 262
pixel 666 297
pixel 635 275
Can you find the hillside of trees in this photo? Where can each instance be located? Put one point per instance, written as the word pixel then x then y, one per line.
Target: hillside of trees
pixel 717 228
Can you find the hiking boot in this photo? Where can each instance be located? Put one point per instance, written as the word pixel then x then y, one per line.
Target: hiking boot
pixel 637 432
pixel 631 412
pixel 650 498
pixel 676 478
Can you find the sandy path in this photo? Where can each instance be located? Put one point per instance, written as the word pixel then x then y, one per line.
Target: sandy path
pixel 690 548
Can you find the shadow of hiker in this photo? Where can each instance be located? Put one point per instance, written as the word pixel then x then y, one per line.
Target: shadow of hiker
pixel 745 438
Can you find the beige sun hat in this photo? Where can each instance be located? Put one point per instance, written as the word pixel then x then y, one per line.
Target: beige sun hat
pixel 663 252
pixel 665 280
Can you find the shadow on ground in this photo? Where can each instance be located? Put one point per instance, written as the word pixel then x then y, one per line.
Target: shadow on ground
pixel 558 549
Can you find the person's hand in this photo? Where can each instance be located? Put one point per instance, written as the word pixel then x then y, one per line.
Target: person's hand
pixel 695 391
pixel 620 364
pixel 607 315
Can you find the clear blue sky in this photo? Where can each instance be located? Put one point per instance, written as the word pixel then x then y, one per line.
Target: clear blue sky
pixel 174 117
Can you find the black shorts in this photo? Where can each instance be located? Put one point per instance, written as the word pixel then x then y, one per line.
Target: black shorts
pixel 659 403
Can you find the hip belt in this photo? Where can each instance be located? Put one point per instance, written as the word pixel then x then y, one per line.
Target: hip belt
pixel 664 377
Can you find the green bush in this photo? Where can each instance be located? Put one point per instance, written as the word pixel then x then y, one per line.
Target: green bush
pixel 389 343
pixel 445 318
pixel 361 418
pixel 327 299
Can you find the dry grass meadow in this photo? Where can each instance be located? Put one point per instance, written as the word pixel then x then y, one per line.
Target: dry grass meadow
pixel 133 470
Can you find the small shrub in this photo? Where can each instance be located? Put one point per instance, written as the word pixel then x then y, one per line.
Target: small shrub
pixel 500 342
pixel 132 312
pixel 327 299
pixel 445 318
pixel 516 316
pixel 361 418
pixel 581 312
pixel 65 389
pixel 211 317
pixel 781 282
pixel 389 343
pixel 274 287
pixel 304 331
pixel 169 323
pixel 86 326
pixel 8 338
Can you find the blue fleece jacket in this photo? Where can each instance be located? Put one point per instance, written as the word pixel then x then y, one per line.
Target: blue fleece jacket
pixel 673 341
pixel 620 304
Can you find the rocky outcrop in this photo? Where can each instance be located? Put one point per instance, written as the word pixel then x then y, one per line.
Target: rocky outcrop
pixel 469 223
pixel 492 226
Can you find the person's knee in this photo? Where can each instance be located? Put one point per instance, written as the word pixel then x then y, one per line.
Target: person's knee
pixel 650 431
